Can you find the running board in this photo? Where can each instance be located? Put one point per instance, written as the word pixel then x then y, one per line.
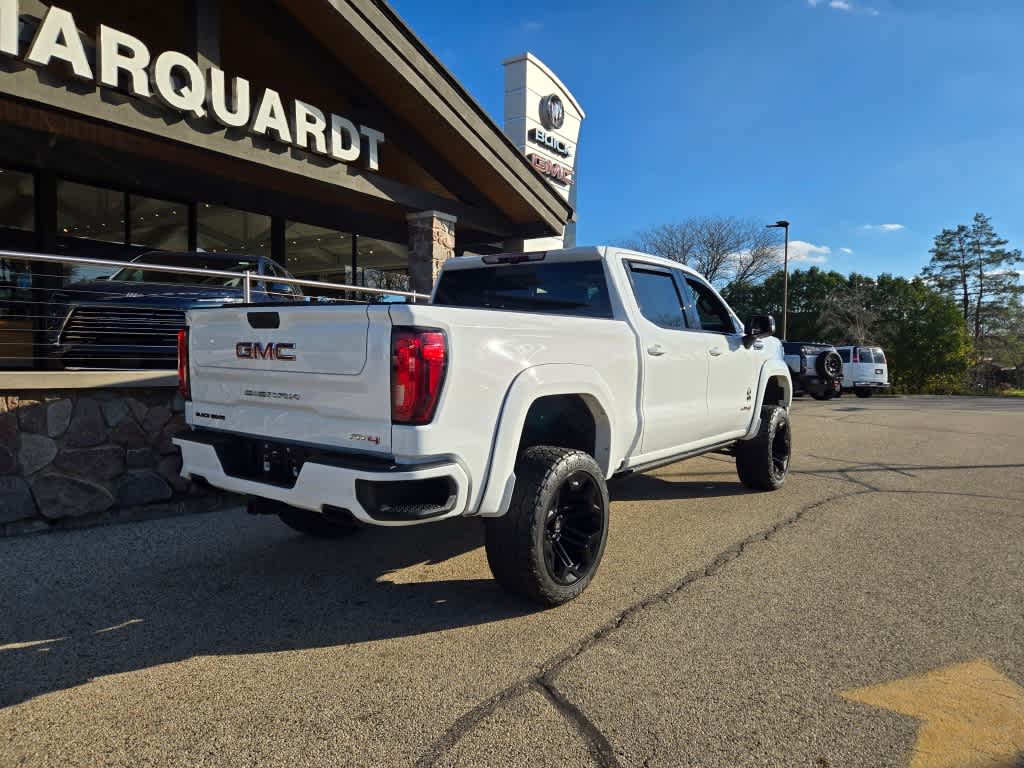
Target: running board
pixel 716 448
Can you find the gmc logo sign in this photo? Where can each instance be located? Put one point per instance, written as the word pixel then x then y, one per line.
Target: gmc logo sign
pixel 555 171
pixel 255 350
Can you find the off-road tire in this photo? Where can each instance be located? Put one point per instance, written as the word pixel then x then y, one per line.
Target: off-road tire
pixel 515 542
pixel 763 462
pixel 863 392
pixel 829 365
pixel 315 524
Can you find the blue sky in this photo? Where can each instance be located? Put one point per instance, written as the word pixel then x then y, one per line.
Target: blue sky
pixel 839 115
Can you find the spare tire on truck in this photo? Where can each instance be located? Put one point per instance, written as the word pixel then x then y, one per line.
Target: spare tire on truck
pixel 829 365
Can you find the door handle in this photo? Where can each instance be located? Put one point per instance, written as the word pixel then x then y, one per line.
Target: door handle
pixel 656 350
pixel 714 351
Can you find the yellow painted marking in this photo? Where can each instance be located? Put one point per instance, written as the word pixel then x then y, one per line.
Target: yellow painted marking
pixel 972 715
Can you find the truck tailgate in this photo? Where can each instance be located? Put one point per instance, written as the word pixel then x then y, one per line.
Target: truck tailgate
pixel 316 375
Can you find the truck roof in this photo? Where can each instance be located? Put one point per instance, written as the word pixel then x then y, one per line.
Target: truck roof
pixel 580 253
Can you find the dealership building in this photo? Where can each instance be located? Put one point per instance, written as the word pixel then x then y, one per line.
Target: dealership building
pixel 321 133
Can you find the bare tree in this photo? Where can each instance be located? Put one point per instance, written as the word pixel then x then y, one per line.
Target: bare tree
pixel 725 249
pixel 850 315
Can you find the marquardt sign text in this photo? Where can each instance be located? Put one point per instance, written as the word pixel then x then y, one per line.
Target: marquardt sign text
pixel 179 83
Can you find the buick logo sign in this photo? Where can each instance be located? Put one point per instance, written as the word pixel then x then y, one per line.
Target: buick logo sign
pixel 552 112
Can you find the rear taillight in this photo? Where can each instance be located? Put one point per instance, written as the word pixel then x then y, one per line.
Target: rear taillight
pixel 184 385
pixel 856 356
pixel 418 361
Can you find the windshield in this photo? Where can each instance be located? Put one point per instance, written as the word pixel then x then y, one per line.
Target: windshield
pixel 567 288
pixel 135 274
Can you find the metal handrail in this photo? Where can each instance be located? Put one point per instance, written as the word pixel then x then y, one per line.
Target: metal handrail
pixel 248 277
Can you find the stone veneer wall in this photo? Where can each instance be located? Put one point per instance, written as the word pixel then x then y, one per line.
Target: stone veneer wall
pixel 79 457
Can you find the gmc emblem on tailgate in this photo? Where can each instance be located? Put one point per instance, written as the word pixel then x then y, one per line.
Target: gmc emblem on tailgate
pixel 255 350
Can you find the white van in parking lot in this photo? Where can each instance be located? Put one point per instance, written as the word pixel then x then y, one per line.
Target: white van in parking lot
pixel 864 370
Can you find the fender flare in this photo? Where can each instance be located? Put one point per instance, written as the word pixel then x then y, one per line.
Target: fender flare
pixel 771 369
pixel 528 386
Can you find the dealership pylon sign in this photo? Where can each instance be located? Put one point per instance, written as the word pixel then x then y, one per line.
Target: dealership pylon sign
pixel 543 119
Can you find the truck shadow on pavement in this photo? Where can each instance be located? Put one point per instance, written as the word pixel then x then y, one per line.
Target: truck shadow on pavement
pixel 82 605
pixel 658 488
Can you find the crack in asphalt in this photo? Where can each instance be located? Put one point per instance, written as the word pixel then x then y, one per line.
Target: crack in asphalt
pixel 544 680
pixel 597 743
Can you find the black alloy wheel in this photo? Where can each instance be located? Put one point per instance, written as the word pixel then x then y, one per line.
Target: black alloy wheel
pixel 762 462
pixel 573 530
pixel 781 447
pixel 548 546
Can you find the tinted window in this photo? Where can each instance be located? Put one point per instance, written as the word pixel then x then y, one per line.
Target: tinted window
pixel 845 354
pixel 658 298
pixel 191 260
pixel 712 312
pixel 566 288
pixel 879 356
pixel 865 355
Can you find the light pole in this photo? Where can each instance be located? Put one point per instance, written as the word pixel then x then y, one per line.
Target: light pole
pixel 784 225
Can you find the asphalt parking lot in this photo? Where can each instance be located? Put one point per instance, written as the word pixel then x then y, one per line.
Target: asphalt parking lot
pixel 871 613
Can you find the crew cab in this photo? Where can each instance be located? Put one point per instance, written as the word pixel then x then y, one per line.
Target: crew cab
pixel 526 383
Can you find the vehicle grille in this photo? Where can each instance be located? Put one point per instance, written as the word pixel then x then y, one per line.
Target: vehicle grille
pixel 125 326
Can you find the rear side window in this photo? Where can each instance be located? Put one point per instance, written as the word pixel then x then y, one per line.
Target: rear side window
pixel 866 355
pixel 712 312
pixel 658 297
pixel 879 356
pixel 562 288
pixel 845 355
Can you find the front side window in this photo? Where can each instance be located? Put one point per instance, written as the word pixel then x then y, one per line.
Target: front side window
pixel 658 297
pixel 714 315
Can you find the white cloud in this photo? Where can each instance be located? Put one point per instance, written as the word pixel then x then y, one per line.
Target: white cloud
pixel 884 227
pixel 801 250
pixel 532 26
pixel 847 251
pixel 845 6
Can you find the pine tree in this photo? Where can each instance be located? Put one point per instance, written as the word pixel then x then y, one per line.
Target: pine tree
pixel 973 266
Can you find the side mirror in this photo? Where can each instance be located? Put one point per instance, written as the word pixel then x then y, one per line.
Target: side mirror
pixel 758 327
pixel 277 289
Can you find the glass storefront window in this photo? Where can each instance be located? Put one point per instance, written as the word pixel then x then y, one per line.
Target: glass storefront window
pixel 90 212
pixel 229 230
pixel 318 253
pixel 158 224
pixel 382 264
pixel 17 201
pixel 17 217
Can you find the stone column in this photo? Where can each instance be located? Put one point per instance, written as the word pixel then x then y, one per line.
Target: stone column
pixel 431 243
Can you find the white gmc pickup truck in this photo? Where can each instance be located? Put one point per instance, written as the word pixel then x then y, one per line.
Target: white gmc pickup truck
pixel 525 383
